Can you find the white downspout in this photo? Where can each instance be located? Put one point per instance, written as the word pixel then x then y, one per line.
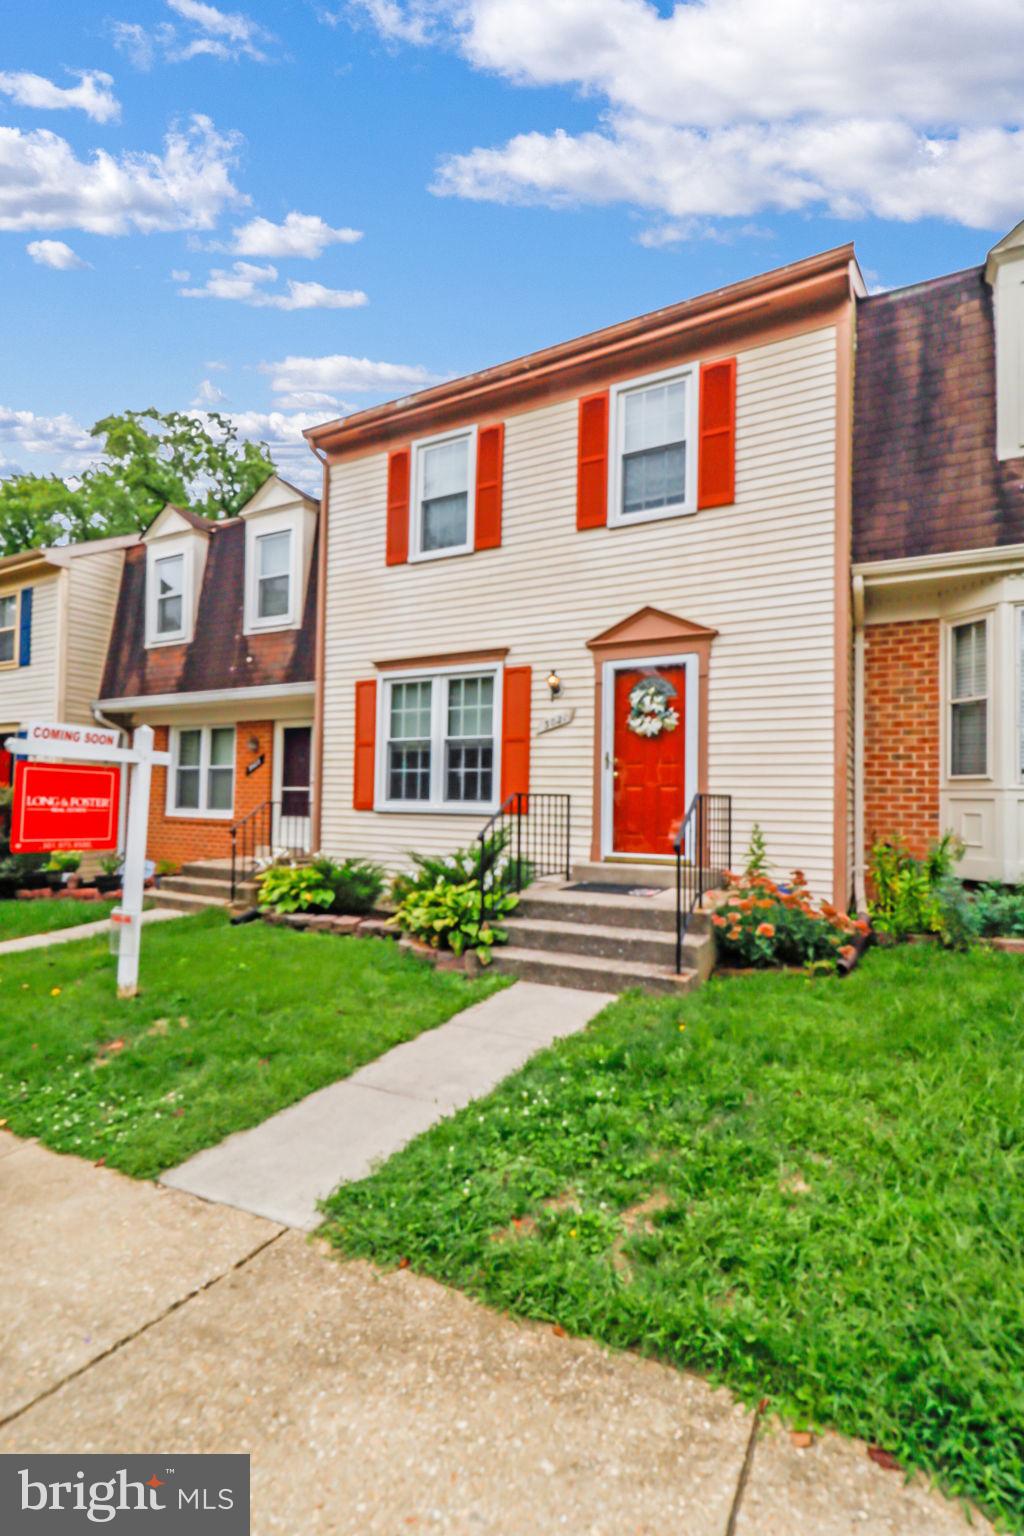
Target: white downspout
pixel 860 894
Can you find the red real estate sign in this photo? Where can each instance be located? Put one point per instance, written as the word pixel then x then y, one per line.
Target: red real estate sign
pixel 58 806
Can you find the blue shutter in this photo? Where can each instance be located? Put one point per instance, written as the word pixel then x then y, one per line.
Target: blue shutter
pixel 25 639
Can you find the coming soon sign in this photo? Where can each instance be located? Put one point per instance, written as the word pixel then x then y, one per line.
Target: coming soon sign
pixel 58 806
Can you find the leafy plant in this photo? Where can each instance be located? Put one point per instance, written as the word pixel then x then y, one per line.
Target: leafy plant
pixel 916 895
pixel 448 916
pixel 294 888
pixel 163 867
pixel 111 863
pixel 998 910
pixel 356 883
pixel 64 863
pixel 760 923
pixel 757 853
pixel 463 867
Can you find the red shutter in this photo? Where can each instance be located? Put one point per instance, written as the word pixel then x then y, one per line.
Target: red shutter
pixel 716 466
pixel 365 747
pixel 398 507
pixel 592 462
pixel 490 452
pixel 515 731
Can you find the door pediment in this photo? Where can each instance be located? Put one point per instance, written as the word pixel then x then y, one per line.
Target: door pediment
pixel 652 628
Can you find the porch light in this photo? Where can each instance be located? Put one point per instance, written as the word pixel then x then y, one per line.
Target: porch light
pixel 253 744
pixel 554 683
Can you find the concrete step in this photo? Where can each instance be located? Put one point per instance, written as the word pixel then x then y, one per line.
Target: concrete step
pixel 181 901
pixel 566 906
pixel 195 885
pixel 589 972
pixel 629 872
pixel 207 869
pixel 656 946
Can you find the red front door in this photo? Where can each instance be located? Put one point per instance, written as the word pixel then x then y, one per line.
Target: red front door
pixel 649 788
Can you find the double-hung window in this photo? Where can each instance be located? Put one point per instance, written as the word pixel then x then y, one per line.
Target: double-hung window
pixel 443 522
pixel 274 574
pixel 653 464
pixel 969 700
pixel 169 573
pixel 440 741
pixel 202 777
pixel 8 628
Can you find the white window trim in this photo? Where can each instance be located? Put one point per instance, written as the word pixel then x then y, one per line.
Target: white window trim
pixel 616 431
pixel 201 813
pixel 435 805
pixel 416 551
pixel 6 666
pixel 953 624
pixel 167 549
pixel 257 527
pixel 1018 694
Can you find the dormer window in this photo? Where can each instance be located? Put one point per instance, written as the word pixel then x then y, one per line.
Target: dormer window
pixel 274 575
pixel 280 528
pixel 170 598
pixel 174 566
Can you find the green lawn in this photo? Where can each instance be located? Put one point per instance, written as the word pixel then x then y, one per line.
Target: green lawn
pixel 813 1191
pixel 18 918
pixel 231 1025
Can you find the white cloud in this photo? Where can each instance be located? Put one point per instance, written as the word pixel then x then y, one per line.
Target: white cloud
pixel 54 253
pixel 43 184
pixel 282 433
pixel 208 396
pixel 301 234
pixel 213 364
pixel 180 274
pixel 245 283
pixel 212 33
pixel 131 38
pixel 327 376
pixel 730 107
pixel 92 95
pixel 64 441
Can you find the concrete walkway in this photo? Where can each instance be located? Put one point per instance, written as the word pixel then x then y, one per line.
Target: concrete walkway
pixel 80 931
pixel 280 1169
pixel 139 1319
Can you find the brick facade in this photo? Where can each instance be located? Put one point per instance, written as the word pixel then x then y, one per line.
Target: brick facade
pixel 902 703
pixel 184 838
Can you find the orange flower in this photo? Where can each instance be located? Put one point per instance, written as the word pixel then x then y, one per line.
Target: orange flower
pixel 862 926
pixel 764 904
pixel 765 931
pixel 747 904
pixel 718 920
pixel 847 951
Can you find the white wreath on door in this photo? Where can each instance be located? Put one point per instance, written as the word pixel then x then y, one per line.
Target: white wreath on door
pixel 650 712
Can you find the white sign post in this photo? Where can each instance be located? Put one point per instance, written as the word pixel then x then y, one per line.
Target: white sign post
pixel 79 743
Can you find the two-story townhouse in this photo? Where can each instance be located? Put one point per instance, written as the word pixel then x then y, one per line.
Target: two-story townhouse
pixel 213 644
pixel 56 610
pixel 511 558
pixel 938 576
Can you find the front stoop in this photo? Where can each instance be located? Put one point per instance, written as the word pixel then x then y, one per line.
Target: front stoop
pixel 202 885
pixel 604 941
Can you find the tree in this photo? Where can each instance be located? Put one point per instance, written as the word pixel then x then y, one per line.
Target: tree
pixel 148 458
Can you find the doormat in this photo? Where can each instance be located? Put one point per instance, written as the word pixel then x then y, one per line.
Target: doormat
pixel 612 888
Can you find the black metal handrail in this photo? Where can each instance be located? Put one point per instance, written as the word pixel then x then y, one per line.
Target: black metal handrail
pixel 529 835
pixel 267 830
pixel 703 847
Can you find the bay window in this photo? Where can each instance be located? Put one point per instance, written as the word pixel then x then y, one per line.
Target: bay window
pixel 201 781
pixel 654 460
pixel 443 522
pixel 969 700
pixel 440 741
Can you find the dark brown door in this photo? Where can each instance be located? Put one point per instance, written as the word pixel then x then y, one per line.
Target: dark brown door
pixel 296 765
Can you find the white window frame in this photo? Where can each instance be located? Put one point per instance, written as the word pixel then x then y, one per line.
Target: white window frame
pixel 617 518
pixel 962 621
pixel 16 628
pixel 202 812
pixel 1018 676
pixel 416 550
pixel 256 528
pixel 168 549
pixel 438 733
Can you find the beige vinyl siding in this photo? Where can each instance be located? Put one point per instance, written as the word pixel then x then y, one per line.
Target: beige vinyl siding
pixel 30 693
pixel 760 571
pixel 94 585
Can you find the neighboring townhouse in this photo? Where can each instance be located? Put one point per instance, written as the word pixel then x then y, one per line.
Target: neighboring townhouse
pixel 213 644
pixel 939 563
pixel 56 609
pixel 510 555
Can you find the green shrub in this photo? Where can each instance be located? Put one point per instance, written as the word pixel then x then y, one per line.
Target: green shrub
pixel 64 863
pixel 356 884
pixel 759 923
pixel 917 895
pixel 111 863
pixel 463 867
pixel 293 888
pixel 447 916
pixel 998 911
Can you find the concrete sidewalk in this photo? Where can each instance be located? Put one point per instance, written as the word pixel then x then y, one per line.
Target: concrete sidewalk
pixel 80 931
pixel 280 1169
pixel 140 1319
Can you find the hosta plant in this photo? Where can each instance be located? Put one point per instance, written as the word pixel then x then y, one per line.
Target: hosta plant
pixel 760 923
pixel 447 916
pixel 294 888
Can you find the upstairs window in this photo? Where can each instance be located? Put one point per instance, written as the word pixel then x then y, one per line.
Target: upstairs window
pixel 8 629
pixel 969 707
pixel 170 596
pixel 653 463
pixel 274 574
pixel 440 750
pixel 202 777
pixel 443 524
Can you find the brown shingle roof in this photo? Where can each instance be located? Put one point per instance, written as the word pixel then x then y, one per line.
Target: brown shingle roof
pixel 220 655
pixel 926 479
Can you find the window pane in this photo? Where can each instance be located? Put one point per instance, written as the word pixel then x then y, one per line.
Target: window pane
pixel 188 748
pixel 471 706
pixel 8 611
pixel 446 469
pixel 970 662
pixel 970 738
pixel 469 772
pixel 222 747
pixel 409 771
pixel 6 644
pixel 221 788
pixel 187 789
pixel 654 478
pixel 410 711
pixel 274 597
pixel 275 553
pixel 168 615
pixel 445 522
pixel 655 416
pixel 170 575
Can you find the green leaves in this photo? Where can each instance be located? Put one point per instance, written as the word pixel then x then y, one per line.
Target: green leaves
pixel 294 888
pixel 448 916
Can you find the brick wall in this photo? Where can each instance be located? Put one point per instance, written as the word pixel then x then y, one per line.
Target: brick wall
pixel 184 838
pixel 901 733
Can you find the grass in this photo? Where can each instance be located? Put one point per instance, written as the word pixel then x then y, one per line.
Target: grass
pixel 812 1191
pixel 231 1025
pixel 20 918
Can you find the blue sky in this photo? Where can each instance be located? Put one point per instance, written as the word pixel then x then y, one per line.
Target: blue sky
pixel 517 172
